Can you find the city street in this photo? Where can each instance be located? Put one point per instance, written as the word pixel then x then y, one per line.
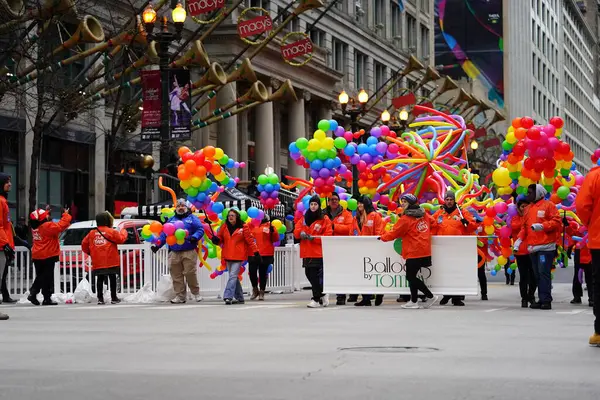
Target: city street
pixel 279 349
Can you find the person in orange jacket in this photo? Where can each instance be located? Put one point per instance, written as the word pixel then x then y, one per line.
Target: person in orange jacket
pixel 451 220
pixel 587 204
pixel 368 222
pixel 309 230
pixel 101 245
pixel 541 223
pixel 583 263
pixel 45 252
pixel 342 224
pixel 527 285
pixel 265 236
pixel 7 243
pixel 237 242
pixel 414 228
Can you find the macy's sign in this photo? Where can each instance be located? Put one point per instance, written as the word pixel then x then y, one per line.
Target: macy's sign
pixel 197 7
pixel 255 26
pixel 297 49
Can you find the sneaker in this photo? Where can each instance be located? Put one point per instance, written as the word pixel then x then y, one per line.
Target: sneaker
pixel 313 304
pixel 378 300
pixel 431 301
pixel 484 297
pixel 445 300
pixel 33 300
pixel 115 301
pixel 524 304
pixel 410 305
pixel 101 302
pixel 261 295
pixel 49 303
pixel 254 294
pixel 4 317
pixel 458 303
pixel 198 298
pixel 546 306
pixel 576 300
pixel 594 339
pixel 228 302
pixel 535 306
pixel 178 300
pixel 325 300
pixel 363 303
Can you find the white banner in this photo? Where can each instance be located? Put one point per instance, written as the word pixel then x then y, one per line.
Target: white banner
pixel 359 264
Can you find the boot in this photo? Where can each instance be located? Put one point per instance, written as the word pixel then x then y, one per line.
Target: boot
pixel 546 306
pixel 49 302
pixel 7 299
pixel 378 300
pixel 352 298
pixel 576 300
pixel 363 303
pixel 261 295
pixel 445 300
pixel 32 299
pixel 254 293
pixel 484 297
pixel 594 339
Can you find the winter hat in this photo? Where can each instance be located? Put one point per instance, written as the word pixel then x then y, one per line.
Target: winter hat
pixel 450 195
pixel 315 199
pixel 38 215
pixel 4 178
pixel 411 199
pixel 335 194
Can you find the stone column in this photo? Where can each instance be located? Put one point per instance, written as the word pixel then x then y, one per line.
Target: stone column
pixel 265 143
pixel 227 129
pixel 99 174
pixel 297 129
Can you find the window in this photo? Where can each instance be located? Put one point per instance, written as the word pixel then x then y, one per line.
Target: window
pixel 340 56
pixel 251 126
pixel 424 41
pixel 411 24
pixel 360 70
pixel 50 191
pixel 284 122
pixel 259 3
pixel 425 6
pixel 379 12
pixel 396 20
pixel 380 75
pixel 534 99
pixel 317 37
pixel 294 24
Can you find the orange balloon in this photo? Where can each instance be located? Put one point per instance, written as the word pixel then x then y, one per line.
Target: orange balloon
pixel 555 199
pixel 535 176
pixel 200 171
pixel 215 169
pixel 183 150
pixel 209 151
pixel 520 133
pixel 190 166
pixel 156 227
pixel 516 123
pixel 171 240
pixel 183 175
pixel 569 157
pixel 506 252
pixel 487 221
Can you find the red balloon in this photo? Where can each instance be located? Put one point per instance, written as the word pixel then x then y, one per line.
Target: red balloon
pixel 539 165
pixel 557 122
pixel 527 122
pixel 549 164
pixel 529 163
pixel 519 149
pixel 490 212
pixel 187 156
pixel 563 148
pixel 533 133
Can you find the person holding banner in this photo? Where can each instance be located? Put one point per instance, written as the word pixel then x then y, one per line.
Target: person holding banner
pixel 265 236
pixel 541 223
pixel 414 228
pixel 527 285
pixel 309 230
pixel 342 224
pixel 449 220
pixel 368 222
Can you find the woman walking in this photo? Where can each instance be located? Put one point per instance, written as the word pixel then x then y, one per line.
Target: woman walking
pixel 527 283
pixel 237 242
pixel 308 230
pixel 101 245
pixel 45 252
pixel 368 222
pixel 414 228
pixel 265 236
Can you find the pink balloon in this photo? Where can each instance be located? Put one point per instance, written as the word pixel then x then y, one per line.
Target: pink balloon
pixel 385 130
pixel 553 143
pixel 505 231
pixel 242 164
pixel 501 208
pixel 348 136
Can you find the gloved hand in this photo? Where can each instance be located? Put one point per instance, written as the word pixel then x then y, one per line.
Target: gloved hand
pixel 517 245
pixel 271 229
pixel 9 252
pixel 258 257
pixel 215 240
pixel 537 227
pixel 154 249
pixel 193 240
pixel 464 222
pixel 304 235
pixel 378 237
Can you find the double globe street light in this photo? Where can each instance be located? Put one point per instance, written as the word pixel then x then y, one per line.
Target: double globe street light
pixel 354 108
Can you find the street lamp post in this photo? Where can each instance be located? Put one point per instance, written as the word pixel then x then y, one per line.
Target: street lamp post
pixel 354 108
pixel 164 39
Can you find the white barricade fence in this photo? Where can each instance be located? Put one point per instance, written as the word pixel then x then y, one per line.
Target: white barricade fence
pixel 367 265
pixel 138 265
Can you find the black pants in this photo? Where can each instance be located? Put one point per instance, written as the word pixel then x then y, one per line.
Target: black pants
pixel 258 272
pixel 4 288
pixel 44 278
pixel 527 285
pixel 596 288
pixel 313 268
pixel 100 280
pixel 510 278
pixel 577 288
pixel 413 267
pixel 482 280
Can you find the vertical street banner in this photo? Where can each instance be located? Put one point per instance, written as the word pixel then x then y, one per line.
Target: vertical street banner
pixel 151 114
pixel 180 105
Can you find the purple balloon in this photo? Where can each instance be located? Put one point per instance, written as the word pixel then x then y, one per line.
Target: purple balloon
pixel 503 157
pixel 342 169
pixel 376 132
pixel 512 210
pixel 355 159
pixel 179 224
pixel 376 197
pixel 366 158
pixel 339 131
pixel 264 195
pixel 381 147
pixel 324 173
pixel 274 194
pixel 314 174
pixel 295 156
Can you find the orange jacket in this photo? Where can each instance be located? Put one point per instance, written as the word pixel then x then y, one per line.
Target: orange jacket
pixel 312 248
pixel 265 239
pixel 516 224
pixel 238 245
pixel 102 247
pixel 585 255
pixel 45 238
pixel 6 230
pixel 587 203
pixel 542 212
pixel 445 224
pixel 415 234
pixel 374 226
pixel 343 224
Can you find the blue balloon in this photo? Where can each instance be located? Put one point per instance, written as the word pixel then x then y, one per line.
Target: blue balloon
pixel 230 163
pixel 293 148
pixel 253 212
pixel 372 141
pixel 260 188
pixel 329 163
pixel 349 150
pixel 270 268
pixel 201 197
pixel 373 150
pixel 230 184
pixel 218 208
pixel 316 165
pixel 337 162
pixel 333 125
pixel 213 187
pixel 509 270
pixel 277 187
pixel 191 199
pixel 363 148
pixel 269 188
pixel 289 217
pixel 493 272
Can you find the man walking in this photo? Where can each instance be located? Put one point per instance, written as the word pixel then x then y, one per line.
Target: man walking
pixel 7 244
pixel 183 260
pixel 588 210
pixel 342 224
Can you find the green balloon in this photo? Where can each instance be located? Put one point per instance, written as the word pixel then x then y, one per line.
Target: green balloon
pixel 323 125
pixel 225 180
pixel 507 146
pixel 352 204
pixel 498 267
pixel 223 160
pixel 243 215
pixel 205 185
pixel 340 143
pixel 398 246
pixel 212 253
pixel 192 191
pixel 312 156
pixel 305 153
pixel 521 190
pixel 563 192
pixel 323 154
pixel 180 234
pixel 273 179
pixel 262 179
pixel 513 266
pixel 332 153
pixel 224 213
pixel 565 172
pixel 281 230
pixel 302 143
pixel 548 188
pixel 514 175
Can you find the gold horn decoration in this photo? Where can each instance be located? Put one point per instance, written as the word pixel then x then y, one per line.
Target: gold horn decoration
pixel 498 116
pixel 448 84
pixel 462 97
pixel 413 65
pixel 196 55
pixel 244 72
pixel 257 93
pixel 306 5
pixel 483 105
pixel 214 76
pixel 45 12
pixel 285 93
pixel 89 31
pixel 14 8
pixel 430 75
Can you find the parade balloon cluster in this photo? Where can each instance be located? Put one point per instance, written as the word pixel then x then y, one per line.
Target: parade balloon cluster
pixel 269 188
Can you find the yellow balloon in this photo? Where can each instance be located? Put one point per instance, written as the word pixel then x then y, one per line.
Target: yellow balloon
pixel 185 184
pixel 500 177
pixel 219 153
pixel 512 167
pixel 567 164
pixel 489 229
pixel 502 260
pixel 196 182
pixel 510 137
pixel 344 204
pixel 320 135
pixel 328 143
pixel 314 145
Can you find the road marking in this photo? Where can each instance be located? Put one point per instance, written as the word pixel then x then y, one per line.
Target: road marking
pixel 106 307
pixel 496 309
pixel 574 312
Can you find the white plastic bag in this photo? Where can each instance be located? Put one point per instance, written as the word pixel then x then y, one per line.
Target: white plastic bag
pixel 61 298
pixel 23 300
pixel 164 289
pixel 83 292
pixel 143 296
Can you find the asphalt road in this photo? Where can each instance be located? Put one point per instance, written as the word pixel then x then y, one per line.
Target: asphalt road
pixel 279 349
